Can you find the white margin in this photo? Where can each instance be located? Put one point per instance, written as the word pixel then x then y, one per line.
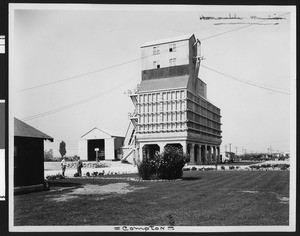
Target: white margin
pixel 292 216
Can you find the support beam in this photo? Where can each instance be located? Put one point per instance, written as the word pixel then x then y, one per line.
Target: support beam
pixel 204 153
pixel 161 147
pixel 200 154
pixel 192 154
pixel 214 154
pixel 218 154
pixel 197 156
pixel 209 154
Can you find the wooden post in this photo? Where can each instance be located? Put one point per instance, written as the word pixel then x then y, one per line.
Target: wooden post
pixel 97 149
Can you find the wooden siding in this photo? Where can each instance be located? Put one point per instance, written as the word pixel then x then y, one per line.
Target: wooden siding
pixel 165 72
pixel 28 161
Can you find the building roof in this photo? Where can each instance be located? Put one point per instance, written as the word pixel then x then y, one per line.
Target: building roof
pixel 164 83
pixel 168 40
pixel 24 130
pixel 108 132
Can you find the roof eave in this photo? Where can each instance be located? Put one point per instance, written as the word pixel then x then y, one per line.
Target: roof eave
pixel 171 40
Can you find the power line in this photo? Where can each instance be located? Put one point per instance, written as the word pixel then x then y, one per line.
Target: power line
pixel 246 82
pixel 86 100
pixel 71 105
pixel 77 76
pixel 127 62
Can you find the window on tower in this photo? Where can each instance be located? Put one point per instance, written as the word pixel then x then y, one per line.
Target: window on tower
pixel 172 62
pixel 156 50
pixel 156 64
pixel 172 47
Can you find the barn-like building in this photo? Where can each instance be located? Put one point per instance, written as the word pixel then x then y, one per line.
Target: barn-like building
pixel 101 144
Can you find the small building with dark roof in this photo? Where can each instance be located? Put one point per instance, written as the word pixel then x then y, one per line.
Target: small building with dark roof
pixel 28 156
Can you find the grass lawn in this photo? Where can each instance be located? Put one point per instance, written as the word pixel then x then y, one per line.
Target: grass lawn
pixel 202 198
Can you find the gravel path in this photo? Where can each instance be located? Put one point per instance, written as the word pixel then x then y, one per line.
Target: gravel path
pixel 115 167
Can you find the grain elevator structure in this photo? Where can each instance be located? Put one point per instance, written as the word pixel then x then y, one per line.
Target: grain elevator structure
pixel 171 105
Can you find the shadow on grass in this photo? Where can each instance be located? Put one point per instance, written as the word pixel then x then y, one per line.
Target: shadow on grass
pixel 64 184
pixel 191 178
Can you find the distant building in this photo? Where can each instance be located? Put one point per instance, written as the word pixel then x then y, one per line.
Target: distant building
pixel 227 156
pixel 28 156
pixel 101 144
pixel 171 105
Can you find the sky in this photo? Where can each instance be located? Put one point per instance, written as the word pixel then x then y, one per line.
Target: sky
pixel 72 67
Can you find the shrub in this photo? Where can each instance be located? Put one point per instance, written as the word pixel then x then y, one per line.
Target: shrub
pixel 168 165
pixel 146 169
pixel 194 168
pixel 88 174
pixel 284 166
pixel 48 155
pixel 231 167
pixel 53 177
pixel 222 167
pixel 209 168
pixel 254 167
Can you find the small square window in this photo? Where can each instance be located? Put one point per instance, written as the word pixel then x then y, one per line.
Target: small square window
pixel 172 47
pixel 172 61
pixel 156 64
pixel 156 50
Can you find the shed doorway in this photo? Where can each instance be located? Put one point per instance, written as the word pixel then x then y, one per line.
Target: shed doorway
pixel 96 143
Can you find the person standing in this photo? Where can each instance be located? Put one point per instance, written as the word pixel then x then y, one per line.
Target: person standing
pixel 79 166
pixel 63 166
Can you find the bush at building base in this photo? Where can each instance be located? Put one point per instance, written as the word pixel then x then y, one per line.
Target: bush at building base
pixel 167 165
pixel 146 169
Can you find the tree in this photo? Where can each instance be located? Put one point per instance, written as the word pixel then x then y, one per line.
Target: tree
pixel 48 155
pixel 62 148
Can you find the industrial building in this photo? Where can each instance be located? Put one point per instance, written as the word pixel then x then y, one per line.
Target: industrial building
pixel 99 144
pixel 171 105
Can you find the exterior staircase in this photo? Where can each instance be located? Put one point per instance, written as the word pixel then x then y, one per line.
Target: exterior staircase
pixel 130 147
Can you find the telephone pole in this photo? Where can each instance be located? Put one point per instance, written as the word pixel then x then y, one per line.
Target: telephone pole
pixel 229 147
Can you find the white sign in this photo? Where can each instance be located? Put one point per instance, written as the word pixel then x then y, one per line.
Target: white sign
pixel 96 149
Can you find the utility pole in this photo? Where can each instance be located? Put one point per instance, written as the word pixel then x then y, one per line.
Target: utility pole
pixel 229 147
pixel 236 150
